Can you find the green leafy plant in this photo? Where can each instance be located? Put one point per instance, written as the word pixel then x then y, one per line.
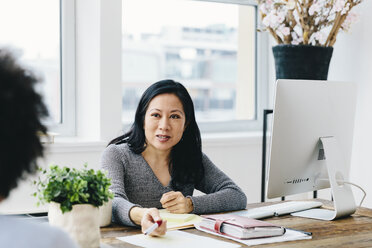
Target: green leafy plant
pixel 72 186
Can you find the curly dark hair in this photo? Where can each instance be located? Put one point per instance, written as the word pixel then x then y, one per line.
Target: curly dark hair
pixel 21 110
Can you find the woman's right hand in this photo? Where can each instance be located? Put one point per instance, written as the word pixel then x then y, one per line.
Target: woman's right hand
pixel 150 216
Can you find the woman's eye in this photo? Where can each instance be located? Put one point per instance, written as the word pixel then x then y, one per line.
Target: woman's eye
pixel 155 115
pixel 175 117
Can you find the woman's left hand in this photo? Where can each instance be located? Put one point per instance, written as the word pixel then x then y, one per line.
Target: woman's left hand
pixel 175 202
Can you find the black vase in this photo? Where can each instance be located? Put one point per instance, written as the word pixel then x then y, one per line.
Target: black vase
pixel 302 61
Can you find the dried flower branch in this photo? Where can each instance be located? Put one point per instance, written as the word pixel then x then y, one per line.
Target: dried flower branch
pixel 307 22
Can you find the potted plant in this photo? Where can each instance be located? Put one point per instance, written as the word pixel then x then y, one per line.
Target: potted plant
pixel 305 31
pixel 74 196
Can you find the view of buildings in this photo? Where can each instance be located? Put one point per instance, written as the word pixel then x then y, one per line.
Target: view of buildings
pixel 203 59
pixel 202 55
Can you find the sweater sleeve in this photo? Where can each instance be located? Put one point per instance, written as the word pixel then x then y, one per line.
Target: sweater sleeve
pixel 113 161
pixel 222 194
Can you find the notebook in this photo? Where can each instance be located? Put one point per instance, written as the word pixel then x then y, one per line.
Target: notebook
pixel 240 227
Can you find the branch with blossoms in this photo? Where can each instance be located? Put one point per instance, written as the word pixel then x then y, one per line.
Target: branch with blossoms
pixel 307 22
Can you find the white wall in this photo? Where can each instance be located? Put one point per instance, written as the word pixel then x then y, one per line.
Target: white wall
pixel 352 61
pixel 98 69
pixel 239 156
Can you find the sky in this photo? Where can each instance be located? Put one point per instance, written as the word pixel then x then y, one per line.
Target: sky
pixel 32 25
pixel 151 14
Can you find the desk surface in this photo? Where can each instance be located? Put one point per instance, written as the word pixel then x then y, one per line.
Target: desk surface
pixel 353 231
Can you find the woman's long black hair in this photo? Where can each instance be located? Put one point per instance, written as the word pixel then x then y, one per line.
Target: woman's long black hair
pixel 186 156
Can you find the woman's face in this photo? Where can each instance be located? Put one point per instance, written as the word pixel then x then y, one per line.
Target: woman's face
pixel 164 122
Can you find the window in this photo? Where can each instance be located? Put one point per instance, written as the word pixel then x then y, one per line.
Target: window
pixel 32 29
pixel 209 47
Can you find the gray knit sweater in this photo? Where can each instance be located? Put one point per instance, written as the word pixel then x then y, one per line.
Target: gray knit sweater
pixel 135 184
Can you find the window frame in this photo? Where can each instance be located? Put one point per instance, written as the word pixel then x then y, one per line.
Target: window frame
pixel 67 126
pixel 261 81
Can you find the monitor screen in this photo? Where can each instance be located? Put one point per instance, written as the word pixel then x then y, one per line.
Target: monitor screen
pixel 304 112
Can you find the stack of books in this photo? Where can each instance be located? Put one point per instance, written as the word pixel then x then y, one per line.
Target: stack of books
pixel 240 227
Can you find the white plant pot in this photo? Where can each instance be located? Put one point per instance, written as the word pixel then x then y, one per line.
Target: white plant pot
pixel 82 223
pixel 105 213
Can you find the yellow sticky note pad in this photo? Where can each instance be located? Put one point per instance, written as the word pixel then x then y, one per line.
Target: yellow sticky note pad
pixel 179 221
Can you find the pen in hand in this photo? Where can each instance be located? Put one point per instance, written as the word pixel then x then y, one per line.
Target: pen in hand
pixel 153 227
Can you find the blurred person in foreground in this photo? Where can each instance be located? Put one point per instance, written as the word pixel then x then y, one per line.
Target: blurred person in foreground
pixel 21 111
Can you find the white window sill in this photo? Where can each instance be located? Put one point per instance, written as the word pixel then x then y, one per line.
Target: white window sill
pixel 232 138
pixel 75 144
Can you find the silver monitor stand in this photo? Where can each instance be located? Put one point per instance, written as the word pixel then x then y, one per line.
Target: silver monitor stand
pixel 343 197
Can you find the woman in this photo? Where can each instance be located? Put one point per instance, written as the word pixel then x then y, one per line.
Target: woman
pixel 159 163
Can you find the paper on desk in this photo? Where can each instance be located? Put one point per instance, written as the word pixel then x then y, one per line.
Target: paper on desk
pixel 289 235
pixel 176 239
pixel 179 221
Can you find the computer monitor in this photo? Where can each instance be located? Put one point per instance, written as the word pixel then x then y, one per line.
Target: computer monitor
pixel 311 142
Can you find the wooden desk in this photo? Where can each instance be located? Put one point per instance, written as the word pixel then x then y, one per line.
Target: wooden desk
pixel 353 231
